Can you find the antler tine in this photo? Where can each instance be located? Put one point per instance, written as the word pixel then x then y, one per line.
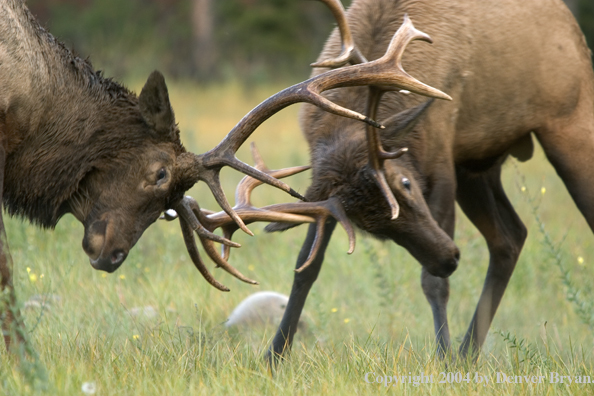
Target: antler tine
pixel 295 212
pixel 207 243
pixel 246 186
pixel 350 53
pixel 188 235
pixel 377 155
pixel 336 209
pixel 184 210
pixel 386 72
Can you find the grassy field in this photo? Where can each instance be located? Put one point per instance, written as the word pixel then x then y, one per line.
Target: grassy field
pixel 365 314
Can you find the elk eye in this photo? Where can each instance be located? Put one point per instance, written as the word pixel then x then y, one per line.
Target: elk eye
pixel 161 174
pixel 406 183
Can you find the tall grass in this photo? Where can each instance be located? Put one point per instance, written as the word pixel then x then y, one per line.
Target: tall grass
pixel 366 313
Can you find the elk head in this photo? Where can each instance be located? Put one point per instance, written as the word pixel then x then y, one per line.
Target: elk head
pixel 380 190
pixel 121 193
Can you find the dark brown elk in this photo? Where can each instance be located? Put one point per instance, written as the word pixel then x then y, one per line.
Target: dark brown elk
pixel 513 69
pixel 75 142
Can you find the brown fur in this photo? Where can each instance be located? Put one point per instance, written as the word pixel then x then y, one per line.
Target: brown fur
pixel 76 142
pixel 513 68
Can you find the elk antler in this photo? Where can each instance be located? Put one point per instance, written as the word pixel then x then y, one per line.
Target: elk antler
pixel 350 53
pixel 204 222
pixel 318 212
pixel 404 35
pixel 385 73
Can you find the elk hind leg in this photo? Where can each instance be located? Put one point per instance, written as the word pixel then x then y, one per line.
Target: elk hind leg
pixel 483 200
pixel 569 146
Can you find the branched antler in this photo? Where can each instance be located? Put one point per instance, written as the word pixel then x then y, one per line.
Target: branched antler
pixel 405 34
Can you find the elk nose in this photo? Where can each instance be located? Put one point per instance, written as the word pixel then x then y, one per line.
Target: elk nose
pixel 111 262
pixel 118 257
pixel 450 265
pixel 447 266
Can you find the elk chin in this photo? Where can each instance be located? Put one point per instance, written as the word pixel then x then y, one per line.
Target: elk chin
pixel 99 242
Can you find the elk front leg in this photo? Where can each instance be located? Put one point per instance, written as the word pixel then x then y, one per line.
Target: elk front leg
pixel 11 323
pixel 436 289
pixel 437 292
pixel 483 200
pixel 301 286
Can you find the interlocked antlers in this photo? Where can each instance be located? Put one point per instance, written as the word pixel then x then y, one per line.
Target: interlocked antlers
pixel 205 222
pixel 383 74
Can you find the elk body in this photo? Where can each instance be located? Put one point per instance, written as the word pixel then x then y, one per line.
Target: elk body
pixel 513 69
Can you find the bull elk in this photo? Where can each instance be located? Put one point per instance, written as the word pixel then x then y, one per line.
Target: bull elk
pixel 513 69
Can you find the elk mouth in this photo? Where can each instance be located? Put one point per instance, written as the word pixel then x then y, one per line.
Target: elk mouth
pixel 111 263
pixel 100 242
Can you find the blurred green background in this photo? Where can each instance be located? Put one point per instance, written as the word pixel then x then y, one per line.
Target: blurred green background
pixel 366 312
pixel 205 40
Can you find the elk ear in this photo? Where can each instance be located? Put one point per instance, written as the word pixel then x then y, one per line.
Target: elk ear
pixel 154 104
pixel 403 122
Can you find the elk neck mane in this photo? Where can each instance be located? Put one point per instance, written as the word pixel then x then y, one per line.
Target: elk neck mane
pixel 59 124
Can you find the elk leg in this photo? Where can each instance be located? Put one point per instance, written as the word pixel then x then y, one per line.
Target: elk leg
pixel 11 323
pixel 437 292
pixel 569 148
pixel 301 285
pixel 483 200
pixel 436 289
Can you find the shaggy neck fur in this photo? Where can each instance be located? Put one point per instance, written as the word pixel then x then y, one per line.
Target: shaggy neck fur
pixel 59 119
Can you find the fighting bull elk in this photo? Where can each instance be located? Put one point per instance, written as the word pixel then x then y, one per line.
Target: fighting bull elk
pixel 513 68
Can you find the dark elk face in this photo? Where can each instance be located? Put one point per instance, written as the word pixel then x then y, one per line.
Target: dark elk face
pixel 118 199
pixel 341 169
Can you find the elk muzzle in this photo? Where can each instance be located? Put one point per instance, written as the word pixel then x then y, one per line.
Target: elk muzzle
pixel 439 257
pixel 106 251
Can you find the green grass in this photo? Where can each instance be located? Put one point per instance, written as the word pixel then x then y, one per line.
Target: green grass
pixel 366 313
